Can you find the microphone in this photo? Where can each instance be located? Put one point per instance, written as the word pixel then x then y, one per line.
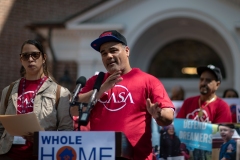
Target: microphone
pixel 96 88
pixel 81 81
pixel 85 115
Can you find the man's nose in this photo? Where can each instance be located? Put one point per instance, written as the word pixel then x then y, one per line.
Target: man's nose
pixel 109 55
pixel 203 82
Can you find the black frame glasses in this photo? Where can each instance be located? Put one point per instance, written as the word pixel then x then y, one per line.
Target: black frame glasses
pixel 26 56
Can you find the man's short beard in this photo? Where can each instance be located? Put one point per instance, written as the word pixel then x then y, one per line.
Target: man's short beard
pixel 203 93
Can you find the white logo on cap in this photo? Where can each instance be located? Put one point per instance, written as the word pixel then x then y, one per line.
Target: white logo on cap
pixel 211 66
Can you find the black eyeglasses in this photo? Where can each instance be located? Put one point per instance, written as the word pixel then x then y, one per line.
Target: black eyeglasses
pixel 34 55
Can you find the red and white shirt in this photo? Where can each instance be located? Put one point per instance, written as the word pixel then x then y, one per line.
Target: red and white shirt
pixel 123 109
pixel 217 111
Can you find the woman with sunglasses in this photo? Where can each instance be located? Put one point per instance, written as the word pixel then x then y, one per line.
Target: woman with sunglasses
pixel 34 92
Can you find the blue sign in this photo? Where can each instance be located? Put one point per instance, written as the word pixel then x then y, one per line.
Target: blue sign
pixel 194 134
pixel 72 145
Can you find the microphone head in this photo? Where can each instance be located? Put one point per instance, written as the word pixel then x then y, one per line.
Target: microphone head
pixel 99 81
pixel 81 80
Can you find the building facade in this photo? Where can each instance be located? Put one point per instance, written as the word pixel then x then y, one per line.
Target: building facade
pixel 190 32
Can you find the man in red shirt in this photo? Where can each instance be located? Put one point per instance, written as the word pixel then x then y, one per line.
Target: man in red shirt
pixel 207 107
pixel 128 97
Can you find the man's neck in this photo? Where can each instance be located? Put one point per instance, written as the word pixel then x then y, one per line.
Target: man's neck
pixel 207 98
pixel 126 70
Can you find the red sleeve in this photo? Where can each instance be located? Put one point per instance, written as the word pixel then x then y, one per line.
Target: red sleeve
pixel 89 84
pixel 223 113
pixel 160 95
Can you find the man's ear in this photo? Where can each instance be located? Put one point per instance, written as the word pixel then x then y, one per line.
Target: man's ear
pixel 127 51
pixel 218 83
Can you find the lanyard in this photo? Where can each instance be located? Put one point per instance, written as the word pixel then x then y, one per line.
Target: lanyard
pixel 200 113
pixel 24 108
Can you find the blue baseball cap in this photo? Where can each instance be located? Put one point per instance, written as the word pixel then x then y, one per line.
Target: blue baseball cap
pixel 108 36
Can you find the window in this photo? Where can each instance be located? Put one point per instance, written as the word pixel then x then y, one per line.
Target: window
pixel 169 61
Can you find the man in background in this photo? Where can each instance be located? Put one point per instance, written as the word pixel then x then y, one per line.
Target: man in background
pixel 207 107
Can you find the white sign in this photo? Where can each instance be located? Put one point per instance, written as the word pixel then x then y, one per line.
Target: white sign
pixel 73 145
pixel 234 104
pixel 177 105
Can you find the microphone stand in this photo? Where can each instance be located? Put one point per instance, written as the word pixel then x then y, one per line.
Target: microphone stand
pixel 79 114
pixel 80 106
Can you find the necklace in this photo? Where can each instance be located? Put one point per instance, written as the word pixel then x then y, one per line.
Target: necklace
pixel 25 108
pixel 200 113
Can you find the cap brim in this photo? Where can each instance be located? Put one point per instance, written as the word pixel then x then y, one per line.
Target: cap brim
pixel 200 70
pixel 96 44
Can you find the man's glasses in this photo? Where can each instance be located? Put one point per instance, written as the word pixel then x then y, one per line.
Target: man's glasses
pixel 34 55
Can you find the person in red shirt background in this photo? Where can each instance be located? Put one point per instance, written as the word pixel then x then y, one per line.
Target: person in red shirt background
pixel 207 107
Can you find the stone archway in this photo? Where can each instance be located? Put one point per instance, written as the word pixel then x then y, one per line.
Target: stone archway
pixel 166 31
pixel 180 54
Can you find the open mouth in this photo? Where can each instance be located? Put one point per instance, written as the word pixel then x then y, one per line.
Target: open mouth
pixel 111 63
pixel 223 136
pixel 203 87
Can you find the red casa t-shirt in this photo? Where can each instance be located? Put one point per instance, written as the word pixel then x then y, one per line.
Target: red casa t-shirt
pixel 217 111
pixel 31 87
pixel 123 109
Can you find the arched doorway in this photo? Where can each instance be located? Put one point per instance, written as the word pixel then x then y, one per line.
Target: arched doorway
pixel 188 32
pixel 170 60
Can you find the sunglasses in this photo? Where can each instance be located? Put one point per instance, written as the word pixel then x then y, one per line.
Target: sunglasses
pixel 34 55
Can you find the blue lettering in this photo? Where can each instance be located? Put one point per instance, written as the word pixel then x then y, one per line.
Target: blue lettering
pixel 47 155
pixel 46 139
pixel 55 139
pixel 102 155
pixel 63 140
pixel 70 140
pixel 78 139
pixel 93 152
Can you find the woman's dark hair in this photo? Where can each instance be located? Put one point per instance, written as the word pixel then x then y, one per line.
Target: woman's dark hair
pixel 40 48
pixel 230 89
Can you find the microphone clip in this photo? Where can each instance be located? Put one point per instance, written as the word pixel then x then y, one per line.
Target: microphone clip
pixel 75 103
